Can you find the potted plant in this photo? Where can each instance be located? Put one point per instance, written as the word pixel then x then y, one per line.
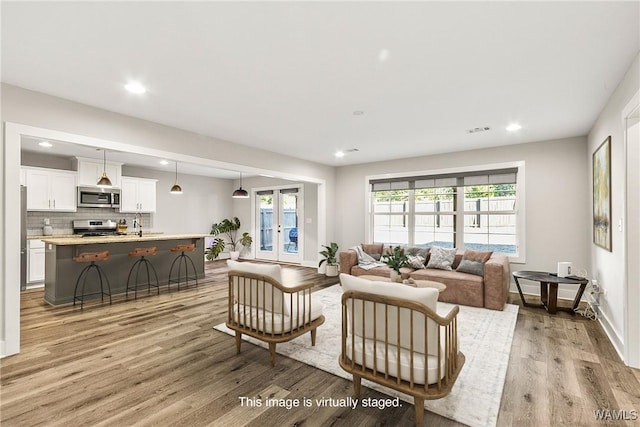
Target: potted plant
pixel 329 253
pixel 395 259
pixel 229 229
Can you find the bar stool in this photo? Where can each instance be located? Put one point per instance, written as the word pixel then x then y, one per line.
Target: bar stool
pixel 142 253
pixel 91 257
pixel 182 259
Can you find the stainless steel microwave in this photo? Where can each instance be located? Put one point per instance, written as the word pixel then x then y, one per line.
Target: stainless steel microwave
pixel 96 197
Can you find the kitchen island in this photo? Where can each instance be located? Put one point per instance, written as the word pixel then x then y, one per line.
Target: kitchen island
pixel 61 271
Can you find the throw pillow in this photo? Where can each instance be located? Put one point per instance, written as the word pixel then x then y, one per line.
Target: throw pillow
pixel 441 258
pixel 374 250
pixel 473 262
pixel 416 261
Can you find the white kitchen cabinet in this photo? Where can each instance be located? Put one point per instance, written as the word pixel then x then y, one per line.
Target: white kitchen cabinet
pixel 35 261
pixel 90 171
pixel 50 190
pixel 137 194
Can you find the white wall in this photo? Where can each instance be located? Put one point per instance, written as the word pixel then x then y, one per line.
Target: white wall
pixel 557 206
pixel 609 267
pixel 202 202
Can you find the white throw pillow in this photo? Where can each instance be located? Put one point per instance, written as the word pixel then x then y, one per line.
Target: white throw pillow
pixel 416 261
pixel 441 258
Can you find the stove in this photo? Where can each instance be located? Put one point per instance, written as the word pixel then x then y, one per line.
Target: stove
pixel 94 227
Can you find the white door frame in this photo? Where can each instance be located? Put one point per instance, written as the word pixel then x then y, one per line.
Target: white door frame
pixel 278 254
pixel 631 246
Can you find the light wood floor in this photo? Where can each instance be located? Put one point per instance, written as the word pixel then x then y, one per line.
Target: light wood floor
pixel 157 361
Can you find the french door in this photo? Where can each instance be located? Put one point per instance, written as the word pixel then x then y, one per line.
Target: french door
pixel 278 213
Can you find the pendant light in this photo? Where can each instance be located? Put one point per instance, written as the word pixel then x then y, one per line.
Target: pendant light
pixel 240 193
pixel 104 179
pixel 176 189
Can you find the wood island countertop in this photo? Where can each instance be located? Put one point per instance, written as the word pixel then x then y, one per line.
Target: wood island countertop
pixel 72 241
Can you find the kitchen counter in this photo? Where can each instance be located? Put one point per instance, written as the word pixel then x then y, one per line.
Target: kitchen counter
pixel 61 271
pixel 77 236
pixel 79 240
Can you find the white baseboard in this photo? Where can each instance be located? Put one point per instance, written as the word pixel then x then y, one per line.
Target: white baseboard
pixel 311 264
pixel 568 292
pixel 3 352
pixel 612 334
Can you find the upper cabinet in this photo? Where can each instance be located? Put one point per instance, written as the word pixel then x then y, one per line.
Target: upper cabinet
pixel 50 189
pixel 90 171
pixel 137 194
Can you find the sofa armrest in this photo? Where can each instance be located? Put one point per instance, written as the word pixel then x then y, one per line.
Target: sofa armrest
pixel 496 281
pixel 347 260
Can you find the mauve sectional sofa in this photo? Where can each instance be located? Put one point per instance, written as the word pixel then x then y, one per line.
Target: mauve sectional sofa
pixel 489 291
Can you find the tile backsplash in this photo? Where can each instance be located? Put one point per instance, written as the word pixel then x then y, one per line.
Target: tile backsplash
pixel 62 222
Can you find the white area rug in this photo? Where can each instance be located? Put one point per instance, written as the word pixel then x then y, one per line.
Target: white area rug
pixel 485 339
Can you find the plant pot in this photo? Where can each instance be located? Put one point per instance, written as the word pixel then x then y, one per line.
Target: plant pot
pixel 331 271
pixel 234 255
pixel 394 276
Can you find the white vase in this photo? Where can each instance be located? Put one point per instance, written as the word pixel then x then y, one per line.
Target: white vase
pixel 234 255
pixel 394 276
pixel 332 270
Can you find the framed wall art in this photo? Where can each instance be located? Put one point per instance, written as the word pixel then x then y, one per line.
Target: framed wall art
pixel 602 195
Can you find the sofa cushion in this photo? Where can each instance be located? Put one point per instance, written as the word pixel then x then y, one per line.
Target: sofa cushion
pixel 270 322
pixel 462 288
pixel 375 250
pixel 473 262
pixel 441 258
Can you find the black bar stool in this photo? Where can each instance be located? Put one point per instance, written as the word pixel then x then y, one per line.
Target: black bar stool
pixel 91 257
pixel 142 253
pixel 182 260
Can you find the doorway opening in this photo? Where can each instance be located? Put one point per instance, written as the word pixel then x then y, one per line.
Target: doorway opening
pixel 279 232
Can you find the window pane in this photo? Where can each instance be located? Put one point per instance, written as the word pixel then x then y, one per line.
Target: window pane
pixel 484 198
pixel 391 229
pixel 490 232
pixel 435 199
pixel 435 230
pixel 391 201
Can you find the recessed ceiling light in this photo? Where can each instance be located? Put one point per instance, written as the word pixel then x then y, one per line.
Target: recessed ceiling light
pixel 45 144
pixel 164 162
pixel 339 154
pixel 383 55
pixel 358 113
pixel 135 87
pixel 514 127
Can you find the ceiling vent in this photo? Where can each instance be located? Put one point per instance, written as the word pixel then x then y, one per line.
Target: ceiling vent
pixel 480 129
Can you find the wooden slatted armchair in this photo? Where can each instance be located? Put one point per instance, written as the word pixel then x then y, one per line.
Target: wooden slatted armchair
pixel 392 335
pixel 264 308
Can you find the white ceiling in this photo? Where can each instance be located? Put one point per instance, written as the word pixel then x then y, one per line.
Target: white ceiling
pixel 289 76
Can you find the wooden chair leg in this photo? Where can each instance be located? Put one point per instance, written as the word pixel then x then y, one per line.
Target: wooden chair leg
pixel 272 353
pixel 238 341
pixel 357 386
pixel 313 337
pixel 418 402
